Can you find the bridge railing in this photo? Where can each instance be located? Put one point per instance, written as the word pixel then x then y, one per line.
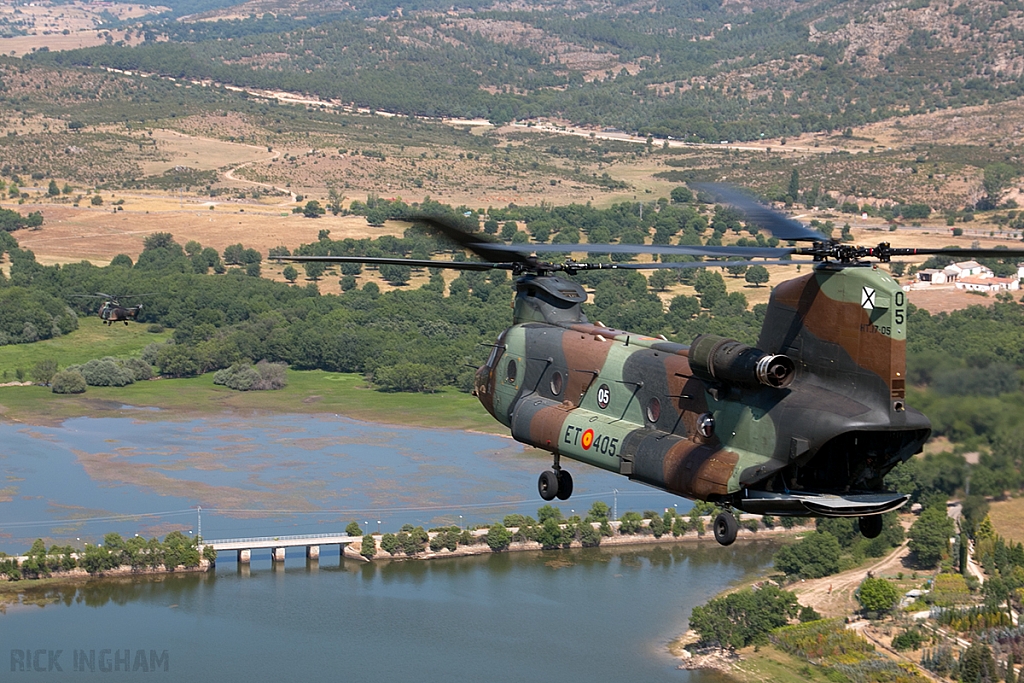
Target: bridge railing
pixel 264 539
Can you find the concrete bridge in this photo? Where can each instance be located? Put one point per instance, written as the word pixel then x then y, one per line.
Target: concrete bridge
pixel 277 544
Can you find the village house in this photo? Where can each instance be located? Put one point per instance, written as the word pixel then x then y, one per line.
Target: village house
pixel 932 275
pixel 956 271
pixel 988 284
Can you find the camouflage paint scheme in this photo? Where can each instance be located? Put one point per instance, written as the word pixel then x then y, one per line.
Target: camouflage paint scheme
pixel 642 406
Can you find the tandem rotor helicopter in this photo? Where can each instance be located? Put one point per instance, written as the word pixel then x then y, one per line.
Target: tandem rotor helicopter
pixel 807 423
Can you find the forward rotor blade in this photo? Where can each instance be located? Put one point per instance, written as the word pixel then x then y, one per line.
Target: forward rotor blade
pixel 783 227
pixel 479 244
pixel 671 249
pixel 413 263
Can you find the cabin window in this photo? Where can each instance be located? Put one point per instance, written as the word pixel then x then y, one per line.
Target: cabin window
pixel 653 409
pixel 556 383
pixel 511 371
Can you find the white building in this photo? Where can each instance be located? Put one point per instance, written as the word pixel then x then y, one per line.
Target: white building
pixel 932 276
pixel 955 271
pixel 988 284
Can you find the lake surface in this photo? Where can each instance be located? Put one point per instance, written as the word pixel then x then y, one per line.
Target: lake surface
pixel 270 475
pixel 594 614
pixel 599 614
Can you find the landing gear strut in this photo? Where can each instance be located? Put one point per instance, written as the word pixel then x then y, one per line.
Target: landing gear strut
pixel 725 527
pixel 871 526
pixel 555 483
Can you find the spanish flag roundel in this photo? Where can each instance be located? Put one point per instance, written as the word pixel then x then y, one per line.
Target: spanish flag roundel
pixel 587 440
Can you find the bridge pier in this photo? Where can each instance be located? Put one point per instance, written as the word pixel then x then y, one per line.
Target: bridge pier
pixel 244 556
pixel 277 554
pixel 313 552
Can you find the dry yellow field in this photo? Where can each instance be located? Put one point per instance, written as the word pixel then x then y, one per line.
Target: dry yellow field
pixel 1008 518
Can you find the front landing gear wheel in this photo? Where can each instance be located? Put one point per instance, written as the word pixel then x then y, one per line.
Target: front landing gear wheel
pixel 547 485
pixel 725 527
pixel 564 485
pixel 871 526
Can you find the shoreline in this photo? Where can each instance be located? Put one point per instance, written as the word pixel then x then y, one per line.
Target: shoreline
pixel 481 548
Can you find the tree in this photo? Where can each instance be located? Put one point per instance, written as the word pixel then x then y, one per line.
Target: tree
pixel 977 664
pixel 816 555
pixel 929 536
pixel 630 523
pixel 53 190
pixel 233 254
pixel 368 548
pixel 736 270
pixel 44 371
pixel 96 200
pixel 744 617
pixel 314 269
pixel 353 529
pixel 710 287
pixel 877 595
pixel 681 195
pixel 794 185
pixel 313 209
pixel 756 275
pixel 396 274
pixel 389 544
pixel 598 512
pixel 661 279
pixel 551 534
pixel 498 537
pixel 290 273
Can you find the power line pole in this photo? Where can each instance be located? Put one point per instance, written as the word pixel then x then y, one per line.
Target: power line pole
pixel 615 504
pixel 199 529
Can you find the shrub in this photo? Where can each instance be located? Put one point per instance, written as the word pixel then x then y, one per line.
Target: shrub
pixel 911 639
pixel 68 382
pixel 498 537
pixel 369 547
pixel 105 372
pixel 263 376
pixel 140 369
pixel 877 595
pixel 389 544
pixel 409 377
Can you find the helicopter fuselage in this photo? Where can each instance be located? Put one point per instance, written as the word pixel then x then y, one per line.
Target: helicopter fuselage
pixel 809 423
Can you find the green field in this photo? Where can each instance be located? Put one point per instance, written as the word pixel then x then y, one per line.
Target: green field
pixel 91 340
pixel 312 391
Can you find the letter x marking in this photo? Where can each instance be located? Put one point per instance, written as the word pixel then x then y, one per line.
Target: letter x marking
pixel 867 298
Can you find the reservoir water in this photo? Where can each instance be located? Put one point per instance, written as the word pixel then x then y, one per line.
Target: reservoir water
pixel 592 614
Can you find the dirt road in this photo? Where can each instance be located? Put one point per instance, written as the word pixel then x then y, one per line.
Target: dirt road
pixel 833 596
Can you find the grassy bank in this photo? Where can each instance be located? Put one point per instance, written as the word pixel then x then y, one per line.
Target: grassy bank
pixel 313 391
pixel 91 340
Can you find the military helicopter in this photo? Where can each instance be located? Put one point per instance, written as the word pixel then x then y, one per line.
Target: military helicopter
pixel 807 423
pixel 112 311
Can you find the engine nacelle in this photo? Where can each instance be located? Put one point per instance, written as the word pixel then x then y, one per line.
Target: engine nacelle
pixel 720 359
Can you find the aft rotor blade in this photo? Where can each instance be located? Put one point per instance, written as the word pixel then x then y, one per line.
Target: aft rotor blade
pixel 783 227
pixel 689 264
pixel 668 249
pixel 413 263
pixel 964 251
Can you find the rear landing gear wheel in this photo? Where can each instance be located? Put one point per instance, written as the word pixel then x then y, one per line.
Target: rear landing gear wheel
pixel 564 484
pixel 725 527
pixel 871 526
pixel 547 485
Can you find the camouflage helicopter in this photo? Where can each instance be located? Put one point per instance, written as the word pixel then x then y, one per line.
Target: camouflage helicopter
pixel 112 311
pixel 807 423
